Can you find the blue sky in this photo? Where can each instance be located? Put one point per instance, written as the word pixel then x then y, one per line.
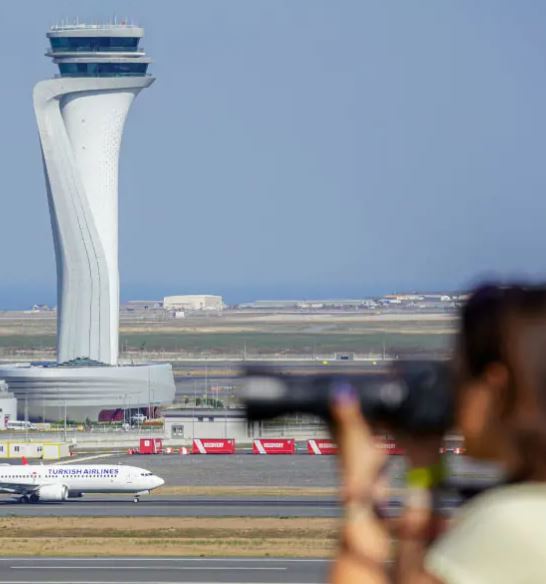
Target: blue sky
pixel 301 148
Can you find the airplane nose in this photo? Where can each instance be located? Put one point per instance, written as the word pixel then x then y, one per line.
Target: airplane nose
pixel 160 482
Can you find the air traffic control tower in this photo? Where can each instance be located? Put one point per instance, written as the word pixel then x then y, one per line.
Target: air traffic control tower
pixel 81 114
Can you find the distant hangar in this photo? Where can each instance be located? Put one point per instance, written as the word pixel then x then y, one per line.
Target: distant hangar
pixel 193 302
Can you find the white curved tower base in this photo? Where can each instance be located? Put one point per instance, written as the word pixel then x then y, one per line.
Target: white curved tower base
pixel 80 121
pixel 47 389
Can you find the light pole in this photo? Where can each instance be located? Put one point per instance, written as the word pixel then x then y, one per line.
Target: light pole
pixel 193 411
pixel 149 396
pixel 26 418
pixel 206 382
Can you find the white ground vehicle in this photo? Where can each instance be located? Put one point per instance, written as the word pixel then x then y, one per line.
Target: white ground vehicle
pixel 19 425
pixel 139 418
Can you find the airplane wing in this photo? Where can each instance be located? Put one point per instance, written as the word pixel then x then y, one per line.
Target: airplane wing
pixel 17 488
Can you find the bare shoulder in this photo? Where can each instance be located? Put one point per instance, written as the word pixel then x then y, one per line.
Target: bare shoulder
pixel 492 534
pixel 426 578
pixel 507 503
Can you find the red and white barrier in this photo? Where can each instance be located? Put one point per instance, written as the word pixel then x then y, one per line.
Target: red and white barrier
pixel 390 447
pixel 213 446
pixel 274 446
pixel 321 447
pixel 183 450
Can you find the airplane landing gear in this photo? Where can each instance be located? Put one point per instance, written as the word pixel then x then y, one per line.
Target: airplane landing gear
pixel 33 498
pixel 136 499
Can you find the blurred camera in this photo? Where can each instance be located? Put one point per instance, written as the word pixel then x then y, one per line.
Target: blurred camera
pixel 413 397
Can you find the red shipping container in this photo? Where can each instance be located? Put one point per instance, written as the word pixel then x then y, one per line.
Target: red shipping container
pixel 321 447
pixel 213 446
pixel 274 446
pixel 150 446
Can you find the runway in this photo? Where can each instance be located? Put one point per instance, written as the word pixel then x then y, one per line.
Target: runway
pixel 196 506
pixel 175 506
pixel 162 570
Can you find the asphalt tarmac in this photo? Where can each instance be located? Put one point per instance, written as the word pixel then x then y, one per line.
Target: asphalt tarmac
pixel 197 506
pixel 173 506
pixel 246 470
pixel 162 570
pixel 300 470
pixel 193 379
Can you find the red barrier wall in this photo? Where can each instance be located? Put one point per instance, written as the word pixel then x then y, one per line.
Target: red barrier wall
pixel 274 446
pixel 213 446
pixel 321 447
pixel 150 446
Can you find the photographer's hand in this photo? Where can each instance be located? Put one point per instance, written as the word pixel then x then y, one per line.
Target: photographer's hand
pixel 362 463
pixel 366 542
pixel 419 524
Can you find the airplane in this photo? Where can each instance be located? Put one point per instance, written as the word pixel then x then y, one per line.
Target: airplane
pixel 34 483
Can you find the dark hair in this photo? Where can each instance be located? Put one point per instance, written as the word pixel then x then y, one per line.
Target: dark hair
pixel 479 341
pixel 507 325
pixel 486 317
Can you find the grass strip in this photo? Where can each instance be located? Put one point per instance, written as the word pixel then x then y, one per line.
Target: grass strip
pixel 248 491
pixel 168 536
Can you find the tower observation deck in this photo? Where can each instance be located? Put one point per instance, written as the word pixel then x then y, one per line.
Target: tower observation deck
pixel 91 50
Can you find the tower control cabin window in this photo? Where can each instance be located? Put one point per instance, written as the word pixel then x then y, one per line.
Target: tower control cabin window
pixel 88 44
pixel 103 69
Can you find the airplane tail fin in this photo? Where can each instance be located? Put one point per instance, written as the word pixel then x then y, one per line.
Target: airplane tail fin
pixel 24 460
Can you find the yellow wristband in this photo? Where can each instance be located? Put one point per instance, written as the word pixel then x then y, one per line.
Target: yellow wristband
pixel 425 477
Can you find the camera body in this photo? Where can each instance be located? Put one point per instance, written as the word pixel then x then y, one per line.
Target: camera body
pixel 412 397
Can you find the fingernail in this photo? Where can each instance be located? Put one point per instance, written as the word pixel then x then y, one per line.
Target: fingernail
pixel 344 394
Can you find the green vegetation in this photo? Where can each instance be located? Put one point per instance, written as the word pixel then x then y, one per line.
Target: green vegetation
pixel 258 343
pixel 259 335
pixel 255 343
pixel 34 342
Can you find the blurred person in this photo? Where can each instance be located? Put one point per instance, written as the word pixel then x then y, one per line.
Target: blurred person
pixel 499 536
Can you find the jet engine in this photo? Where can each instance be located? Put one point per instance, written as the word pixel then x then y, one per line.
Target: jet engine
pixel 52 493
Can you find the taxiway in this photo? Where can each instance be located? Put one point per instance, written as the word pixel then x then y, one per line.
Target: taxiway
pixel 144 570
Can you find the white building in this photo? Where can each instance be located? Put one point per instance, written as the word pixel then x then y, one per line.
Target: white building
pixel 31 449
pixel 193 302
pixel 188 424
pixel 8 405
pixel 81 115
